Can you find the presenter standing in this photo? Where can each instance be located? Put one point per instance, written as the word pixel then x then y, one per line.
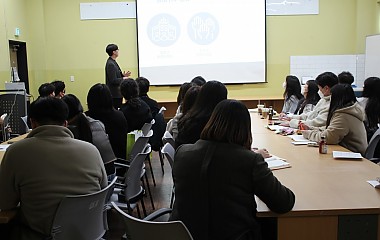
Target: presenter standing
pixel 114 75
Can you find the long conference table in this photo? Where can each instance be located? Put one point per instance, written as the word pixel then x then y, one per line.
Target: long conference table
pixel 333 199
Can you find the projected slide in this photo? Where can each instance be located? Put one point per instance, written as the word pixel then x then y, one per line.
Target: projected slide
pixel 217 39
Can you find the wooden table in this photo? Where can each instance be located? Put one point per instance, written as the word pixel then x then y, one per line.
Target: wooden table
pixel 333 199
pixel 6 216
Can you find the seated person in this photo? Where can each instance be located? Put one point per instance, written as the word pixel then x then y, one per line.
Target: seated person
pixel 90 130
pixel 136 111
pixel 159 126
pixel 346 78
pixel 191 125
pixel 292 94
pixel 318 116
pixel 172 124
pixel 49 164
pixel 218 176
pixel 344 124
pixel 371 103
pixel 144 85
pixel 46 89
pixel 311 98
pixel 100 107
pixel 199 81
pixel 60 90
pixel 187 103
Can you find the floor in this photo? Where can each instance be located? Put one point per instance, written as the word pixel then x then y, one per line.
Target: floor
pixel 161 196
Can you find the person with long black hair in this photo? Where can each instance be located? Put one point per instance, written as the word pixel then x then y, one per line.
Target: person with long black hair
pixel 344 125
pixel 311 98
pixel 191 125
pixel 218 176
pixel 100 107
pixel 292 94
pixel 371 104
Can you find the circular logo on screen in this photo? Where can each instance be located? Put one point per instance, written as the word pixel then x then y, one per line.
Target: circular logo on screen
pixel 203 28
pixel 163 30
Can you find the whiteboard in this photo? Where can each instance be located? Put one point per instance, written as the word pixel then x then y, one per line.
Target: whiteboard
pixel 107 10
pixel 309 67
pixel 292 7
pixel 372 56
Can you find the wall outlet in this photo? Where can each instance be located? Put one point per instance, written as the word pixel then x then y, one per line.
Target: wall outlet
pixel 72 79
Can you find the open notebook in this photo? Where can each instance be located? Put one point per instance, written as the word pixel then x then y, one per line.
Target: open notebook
pixel 275 162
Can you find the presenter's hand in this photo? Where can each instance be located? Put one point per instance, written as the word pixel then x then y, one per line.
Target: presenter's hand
pixel 127 74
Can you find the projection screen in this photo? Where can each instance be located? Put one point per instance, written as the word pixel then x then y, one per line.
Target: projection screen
pixel 216 39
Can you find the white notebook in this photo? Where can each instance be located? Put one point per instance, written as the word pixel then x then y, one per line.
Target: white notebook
pixel 298 138
pixel 275 162
pixel 347 155
pixel 275 127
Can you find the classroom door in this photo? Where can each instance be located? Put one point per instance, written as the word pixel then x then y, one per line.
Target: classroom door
pixel 19 62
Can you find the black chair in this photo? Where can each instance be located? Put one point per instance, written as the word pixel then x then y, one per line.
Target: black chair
pixel 15 105
pixel 372 146
pixel 148 229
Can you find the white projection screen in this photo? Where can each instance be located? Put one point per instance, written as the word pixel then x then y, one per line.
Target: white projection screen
pixel 216 39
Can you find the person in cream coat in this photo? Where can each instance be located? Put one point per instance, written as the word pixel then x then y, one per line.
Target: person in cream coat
pixel 317 117
pixel 344 124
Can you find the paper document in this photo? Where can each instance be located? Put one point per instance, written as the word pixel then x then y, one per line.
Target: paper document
pixel 275 162
pixel 374 183
pixel 275 127
pixel 298 138
pixel 302 143
pixel 350 155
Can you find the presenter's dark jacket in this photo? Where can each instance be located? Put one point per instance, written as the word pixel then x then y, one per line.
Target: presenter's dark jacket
pixel 136 116
pixel 114 76
pixel 228 208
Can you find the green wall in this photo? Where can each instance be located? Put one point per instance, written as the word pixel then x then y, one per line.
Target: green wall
pixel 60 45
pixel 12 15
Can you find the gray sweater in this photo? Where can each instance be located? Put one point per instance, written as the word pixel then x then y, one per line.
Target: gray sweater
pixel 40 170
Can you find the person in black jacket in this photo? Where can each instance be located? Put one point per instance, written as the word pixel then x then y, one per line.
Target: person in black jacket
pixel 136 111
pixel 99 101
pixel 217 178
pixel 114 75
pixel 144 85
pixel 159 126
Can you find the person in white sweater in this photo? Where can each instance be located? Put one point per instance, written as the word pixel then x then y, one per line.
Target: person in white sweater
pixel 318 116
pixel 292 94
